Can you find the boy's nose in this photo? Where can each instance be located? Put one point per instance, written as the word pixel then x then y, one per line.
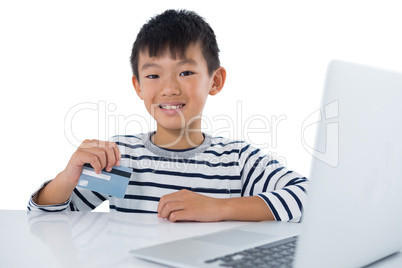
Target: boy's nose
pixel 170 87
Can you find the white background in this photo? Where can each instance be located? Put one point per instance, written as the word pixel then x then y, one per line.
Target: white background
pixel 55 55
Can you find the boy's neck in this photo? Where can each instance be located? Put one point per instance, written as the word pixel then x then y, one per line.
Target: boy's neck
pixel 180 139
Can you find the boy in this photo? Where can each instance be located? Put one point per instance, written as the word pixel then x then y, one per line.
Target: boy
pixel 178 171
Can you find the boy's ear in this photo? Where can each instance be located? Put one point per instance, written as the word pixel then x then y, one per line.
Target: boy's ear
pixel 137 87
pixel 219 78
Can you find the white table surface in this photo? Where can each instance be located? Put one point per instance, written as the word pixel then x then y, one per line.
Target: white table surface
pixel 88 239
pixel 96 239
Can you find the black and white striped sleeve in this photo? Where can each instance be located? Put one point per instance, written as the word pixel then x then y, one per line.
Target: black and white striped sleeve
pixel 32 206
pixel 284 191
pixel 80 200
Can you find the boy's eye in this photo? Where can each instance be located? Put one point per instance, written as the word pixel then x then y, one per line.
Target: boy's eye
pixel 152 76
pixel 185 73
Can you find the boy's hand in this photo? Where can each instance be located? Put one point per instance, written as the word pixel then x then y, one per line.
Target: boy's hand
pixel 100 154
pixel 185 205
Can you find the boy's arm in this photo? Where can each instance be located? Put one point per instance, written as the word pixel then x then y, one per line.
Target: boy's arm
pixel 57 191
pixel 99 154
pixel 269 191
pixel 185 205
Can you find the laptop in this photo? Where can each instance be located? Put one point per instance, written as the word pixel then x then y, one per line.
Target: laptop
pixel 353 215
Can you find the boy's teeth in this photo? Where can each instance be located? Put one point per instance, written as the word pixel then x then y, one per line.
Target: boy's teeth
pixel 172 107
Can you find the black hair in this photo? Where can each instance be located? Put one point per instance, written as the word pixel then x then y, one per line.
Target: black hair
pixel 176 30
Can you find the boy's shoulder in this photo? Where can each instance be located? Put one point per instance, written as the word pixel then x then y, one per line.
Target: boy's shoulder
pixel 219 141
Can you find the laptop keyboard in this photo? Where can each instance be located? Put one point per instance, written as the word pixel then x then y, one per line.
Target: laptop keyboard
pixel 275 254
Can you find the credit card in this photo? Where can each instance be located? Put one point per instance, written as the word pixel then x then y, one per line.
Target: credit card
pixel 112 183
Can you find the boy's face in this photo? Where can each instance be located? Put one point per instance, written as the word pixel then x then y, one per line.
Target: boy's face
pixel 174 91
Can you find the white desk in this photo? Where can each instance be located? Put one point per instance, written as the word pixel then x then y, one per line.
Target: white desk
pixel 77 239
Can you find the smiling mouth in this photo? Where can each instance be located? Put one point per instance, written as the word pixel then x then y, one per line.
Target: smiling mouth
pixel 171 107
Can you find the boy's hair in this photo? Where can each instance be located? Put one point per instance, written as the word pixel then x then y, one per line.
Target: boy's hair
pixel 176 30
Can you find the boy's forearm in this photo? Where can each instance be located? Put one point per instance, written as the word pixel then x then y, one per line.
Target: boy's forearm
pixel 55 192
pixel 251 208
pixel 191 206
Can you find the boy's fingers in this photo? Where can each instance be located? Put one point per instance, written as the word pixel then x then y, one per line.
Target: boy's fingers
pixel 101 154
pixel 179 196
pixel 87 144
pixel 86 157
pixel 171 207
pixel 108 152
pixel 180 215
pixel 116 153
pixel 173 197
pixel 161 204
pixel 111 158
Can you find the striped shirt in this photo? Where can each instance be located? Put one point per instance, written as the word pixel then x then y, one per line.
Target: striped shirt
pixel 219 168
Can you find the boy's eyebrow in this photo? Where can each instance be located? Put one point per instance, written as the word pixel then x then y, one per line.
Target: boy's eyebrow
pixel 149 65
pixel 187 61
pixel 180 63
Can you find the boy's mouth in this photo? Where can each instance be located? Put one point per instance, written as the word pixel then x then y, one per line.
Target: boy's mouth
pixel 171 107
